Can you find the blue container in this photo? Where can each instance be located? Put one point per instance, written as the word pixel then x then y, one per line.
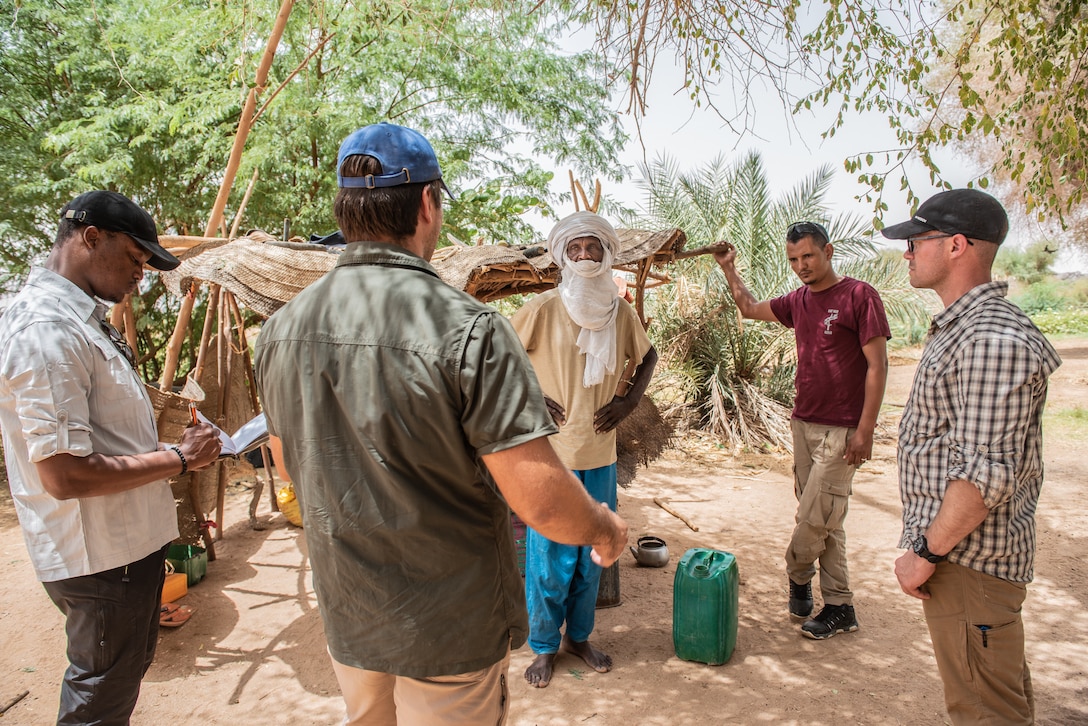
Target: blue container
pixel 704 606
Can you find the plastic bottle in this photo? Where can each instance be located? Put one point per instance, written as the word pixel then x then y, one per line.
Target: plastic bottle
pixel 704 606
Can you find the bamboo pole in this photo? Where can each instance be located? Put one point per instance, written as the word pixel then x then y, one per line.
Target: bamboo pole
pixel 206 333
pixel 251 378
pixel 215 219
pixel 245 201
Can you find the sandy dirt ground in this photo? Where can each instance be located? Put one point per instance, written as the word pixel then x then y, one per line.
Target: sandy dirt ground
pixel 254 651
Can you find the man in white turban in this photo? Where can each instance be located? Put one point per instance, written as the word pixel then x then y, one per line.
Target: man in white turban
pixel 581 338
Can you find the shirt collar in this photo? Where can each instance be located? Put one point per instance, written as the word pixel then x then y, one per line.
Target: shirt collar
pixel 972 299
pixel 67 293
pixel 382 253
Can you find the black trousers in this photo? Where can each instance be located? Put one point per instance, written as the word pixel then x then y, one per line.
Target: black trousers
pixel 112 624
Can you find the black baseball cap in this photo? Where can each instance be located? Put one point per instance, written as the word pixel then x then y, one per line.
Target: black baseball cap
pixel 117 213
pixel 405 155
pixel 968 212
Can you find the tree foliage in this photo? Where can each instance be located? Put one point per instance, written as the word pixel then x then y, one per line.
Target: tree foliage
pixel 737 374
pixel 943 72
pixel 144 96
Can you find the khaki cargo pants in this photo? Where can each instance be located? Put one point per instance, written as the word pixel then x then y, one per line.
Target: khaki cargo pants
pixel 822 482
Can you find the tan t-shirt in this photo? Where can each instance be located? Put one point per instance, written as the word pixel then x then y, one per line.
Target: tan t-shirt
pixel 551 339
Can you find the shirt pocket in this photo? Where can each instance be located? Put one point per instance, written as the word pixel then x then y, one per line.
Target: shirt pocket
pixel 115 388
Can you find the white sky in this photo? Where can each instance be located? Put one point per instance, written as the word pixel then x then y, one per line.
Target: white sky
pixel 693 136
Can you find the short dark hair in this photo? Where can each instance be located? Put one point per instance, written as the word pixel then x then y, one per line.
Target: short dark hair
pixel 799 230
pixel 381 212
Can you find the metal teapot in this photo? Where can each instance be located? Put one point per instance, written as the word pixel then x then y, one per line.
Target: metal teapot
pixel 651 552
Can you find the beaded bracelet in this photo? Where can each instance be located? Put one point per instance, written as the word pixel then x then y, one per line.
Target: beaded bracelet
pixel 184 463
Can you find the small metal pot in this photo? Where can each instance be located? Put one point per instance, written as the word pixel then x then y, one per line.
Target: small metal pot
pixel 651 552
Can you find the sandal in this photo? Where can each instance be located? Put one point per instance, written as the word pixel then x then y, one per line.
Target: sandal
pixel 172 615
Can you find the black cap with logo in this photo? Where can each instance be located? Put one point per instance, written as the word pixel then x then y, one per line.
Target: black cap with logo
pixel 117 213
pixel 968 212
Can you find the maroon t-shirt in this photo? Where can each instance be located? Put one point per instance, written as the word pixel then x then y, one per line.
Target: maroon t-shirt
pixel 830 328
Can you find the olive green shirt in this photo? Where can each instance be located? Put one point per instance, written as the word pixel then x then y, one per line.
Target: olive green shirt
pixel 386 386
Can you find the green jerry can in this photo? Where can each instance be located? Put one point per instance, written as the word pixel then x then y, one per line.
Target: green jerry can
pixel 704 606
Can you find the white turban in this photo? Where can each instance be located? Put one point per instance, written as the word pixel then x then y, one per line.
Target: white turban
pixel 589 295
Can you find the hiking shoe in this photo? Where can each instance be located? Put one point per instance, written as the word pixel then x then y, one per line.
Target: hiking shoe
pixel 832 619
pixel 800 600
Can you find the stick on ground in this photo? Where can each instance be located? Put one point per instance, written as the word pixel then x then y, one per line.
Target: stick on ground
pixel 4 709
pixel 676 514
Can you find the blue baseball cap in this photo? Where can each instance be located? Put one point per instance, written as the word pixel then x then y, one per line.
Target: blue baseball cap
pixel 406 157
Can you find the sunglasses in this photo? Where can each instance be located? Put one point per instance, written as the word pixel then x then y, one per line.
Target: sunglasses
pixel 119 342
pixel 912 242
pixel 799 230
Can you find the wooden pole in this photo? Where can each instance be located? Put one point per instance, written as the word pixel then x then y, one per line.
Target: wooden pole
pixel 206 333
pixel 215 219
pixel 245 201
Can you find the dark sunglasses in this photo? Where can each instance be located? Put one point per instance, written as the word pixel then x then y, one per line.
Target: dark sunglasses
pixel 912 242
pixel 800 230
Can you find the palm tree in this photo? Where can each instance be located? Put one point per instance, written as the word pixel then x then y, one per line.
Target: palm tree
pixel 736 376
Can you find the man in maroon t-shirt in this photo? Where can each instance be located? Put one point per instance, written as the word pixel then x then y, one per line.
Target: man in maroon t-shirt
pixel 842 365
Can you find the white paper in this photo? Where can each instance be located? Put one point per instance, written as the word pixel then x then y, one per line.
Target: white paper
pixel 252 434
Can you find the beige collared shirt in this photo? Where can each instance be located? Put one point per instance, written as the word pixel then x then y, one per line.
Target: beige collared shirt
pixel 551 339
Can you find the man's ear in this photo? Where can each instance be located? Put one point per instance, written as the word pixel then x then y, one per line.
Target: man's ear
pixel 89 235
pixel 427 207
pixel 959 245
pixel 829 249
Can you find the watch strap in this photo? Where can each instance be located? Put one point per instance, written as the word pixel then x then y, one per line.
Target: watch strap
pixel 921 548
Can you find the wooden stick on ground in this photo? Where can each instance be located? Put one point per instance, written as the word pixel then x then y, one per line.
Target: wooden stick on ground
pixel 7 706
pixel 676 514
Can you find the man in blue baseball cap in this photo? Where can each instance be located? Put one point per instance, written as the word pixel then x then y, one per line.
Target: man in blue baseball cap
pixel 410 420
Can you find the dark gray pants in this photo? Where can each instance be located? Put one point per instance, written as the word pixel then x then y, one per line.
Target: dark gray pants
pixel 112 624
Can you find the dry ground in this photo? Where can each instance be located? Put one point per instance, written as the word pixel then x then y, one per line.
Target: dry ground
pixel 253 652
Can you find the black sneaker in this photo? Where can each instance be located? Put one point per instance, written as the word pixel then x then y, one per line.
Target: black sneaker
pixel 800 600
pixel 832 619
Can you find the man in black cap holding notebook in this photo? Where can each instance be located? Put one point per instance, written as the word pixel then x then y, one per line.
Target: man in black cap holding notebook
pixel 88 475
pixel 970 459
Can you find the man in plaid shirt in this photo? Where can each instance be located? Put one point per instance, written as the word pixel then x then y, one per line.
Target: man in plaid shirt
pixel 970 459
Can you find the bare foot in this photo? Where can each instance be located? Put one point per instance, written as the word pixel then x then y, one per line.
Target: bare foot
pixel 539 672
pixel 594 658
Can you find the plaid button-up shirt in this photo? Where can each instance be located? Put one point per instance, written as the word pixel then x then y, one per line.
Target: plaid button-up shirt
pixel 974 413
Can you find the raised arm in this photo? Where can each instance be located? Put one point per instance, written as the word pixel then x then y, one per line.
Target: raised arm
pixel 747 303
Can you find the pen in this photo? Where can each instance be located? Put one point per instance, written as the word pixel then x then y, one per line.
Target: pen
pixel 192 412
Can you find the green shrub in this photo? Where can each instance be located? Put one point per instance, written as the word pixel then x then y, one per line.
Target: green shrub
pixel 1042 296
pixel 1070 321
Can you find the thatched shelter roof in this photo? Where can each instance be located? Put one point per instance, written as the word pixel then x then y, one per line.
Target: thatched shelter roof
pixel 264 273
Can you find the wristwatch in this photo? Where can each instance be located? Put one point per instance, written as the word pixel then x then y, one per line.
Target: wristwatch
pixel 921 548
